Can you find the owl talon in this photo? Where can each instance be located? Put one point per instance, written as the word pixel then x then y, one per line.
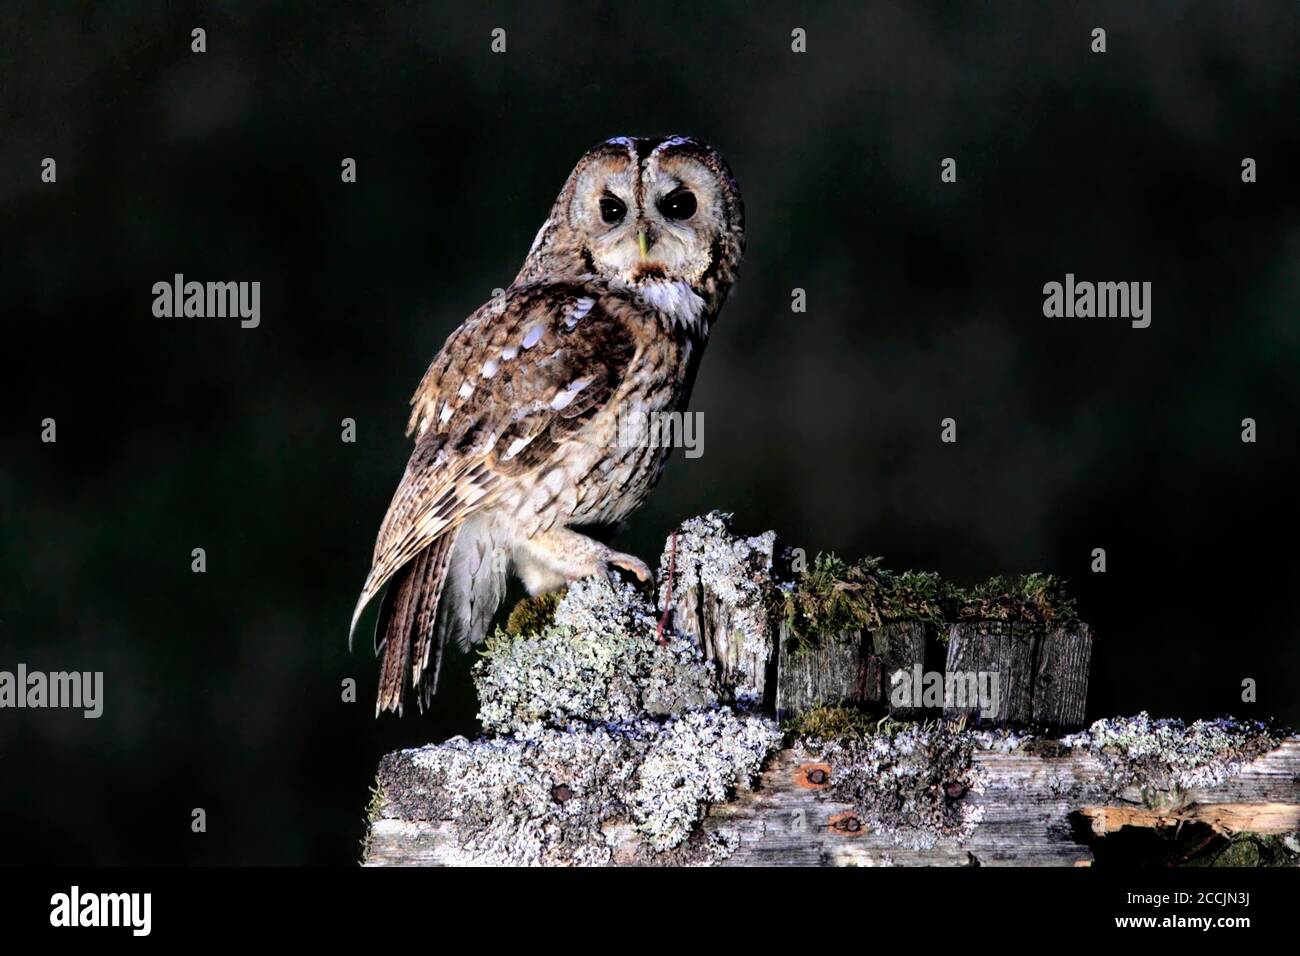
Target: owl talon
pixel 633 565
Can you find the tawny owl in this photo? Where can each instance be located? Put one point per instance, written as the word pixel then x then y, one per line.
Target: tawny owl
pixel 517 422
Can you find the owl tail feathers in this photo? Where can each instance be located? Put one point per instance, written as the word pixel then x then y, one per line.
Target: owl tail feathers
pixel 476 581
pixel 409 628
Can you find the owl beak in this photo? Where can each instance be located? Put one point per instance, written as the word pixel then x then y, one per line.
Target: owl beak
pixel 642 245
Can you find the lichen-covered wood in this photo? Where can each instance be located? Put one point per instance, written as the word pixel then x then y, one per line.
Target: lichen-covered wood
pixel 590 720
pixel 719 599
pixel 1019 801
pixel 1023 807
pixel 610 738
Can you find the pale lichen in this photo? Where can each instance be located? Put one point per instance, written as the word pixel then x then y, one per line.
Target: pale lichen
pixel 911 780
pixel 600 662
pixel 546 799
pixel 1170 755
pixel 513 801
pixel 730 576
pixel 598 726
pixel 736 569
pixel 695 760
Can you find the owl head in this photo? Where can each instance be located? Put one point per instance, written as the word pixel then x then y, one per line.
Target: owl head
pixel 637 210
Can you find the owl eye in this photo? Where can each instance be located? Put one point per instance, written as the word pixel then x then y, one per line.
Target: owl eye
pixel 612 209
pixel 679 204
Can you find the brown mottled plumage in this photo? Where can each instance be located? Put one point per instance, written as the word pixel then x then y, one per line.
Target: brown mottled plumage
pixel 516 423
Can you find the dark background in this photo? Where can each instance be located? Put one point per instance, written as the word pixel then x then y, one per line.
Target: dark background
pixel 924 301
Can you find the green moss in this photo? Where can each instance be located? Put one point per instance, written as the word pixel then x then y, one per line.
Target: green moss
pixel 1192 844
pixel 832 723
pixel 374 810
pixel 1037 598
pixel 912 596
pixel 845 723
pixel 1195 845
pixel 1254 849
pixel 532 615
pixel 833 596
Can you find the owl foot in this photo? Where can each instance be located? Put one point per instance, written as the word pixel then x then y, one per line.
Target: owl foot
pixel 560 556
pixel 631 564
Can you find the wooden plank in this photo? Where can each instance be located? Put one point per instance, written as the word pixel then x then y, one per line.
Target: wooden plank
pixel 829 670
pixel 1003 649
pixel 899 646
pixel 1061 677
pixel 1024 805
pixel 852 668
pixel 1042 672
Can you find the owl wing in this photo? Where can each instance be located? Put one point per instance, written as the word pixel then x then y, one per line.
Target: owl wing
pixel 521 376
